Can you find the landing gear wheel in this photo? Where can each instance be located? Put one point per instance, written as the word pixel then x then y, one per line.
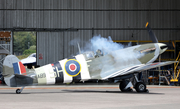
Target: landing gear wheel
pixel 140 87
pixel 18 91
pixel 122 86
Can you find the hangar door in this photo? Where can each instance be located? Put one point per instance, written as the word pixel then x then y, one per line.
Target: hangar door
pixel 54 46
pixel 49 47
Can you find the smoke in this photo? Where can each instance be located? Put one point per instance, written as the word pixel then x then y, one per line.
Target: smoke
pixel 106 45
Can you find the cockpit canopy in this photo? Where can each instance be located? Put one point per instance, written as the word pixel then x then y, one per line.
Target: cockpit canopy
pixel 89 55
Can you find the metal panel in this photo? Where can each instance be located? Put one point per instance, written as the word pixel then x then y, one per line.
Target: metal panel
pixel 1 19
pixel 76 19
pixel 88 19
pixel 50 45
pixel 178 23
pixel 64 19
pixel 2 4
pixel 55 46
pixel 90 4
pixel 46 19
pixel 19 4
pixel 137 34
pixel 9 4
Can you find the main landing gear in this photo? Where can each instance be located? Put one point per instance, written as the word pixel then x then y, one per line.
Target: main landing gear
pixel 18 91
pixel 125 85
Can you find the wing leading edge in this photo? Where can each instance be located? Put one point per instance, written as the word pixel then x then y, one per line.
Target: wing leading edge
pixel 139 68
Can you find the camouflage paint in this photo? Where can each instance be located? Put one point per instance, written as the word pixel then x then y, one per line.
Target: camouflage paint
pixel 147 56
pixel 103 67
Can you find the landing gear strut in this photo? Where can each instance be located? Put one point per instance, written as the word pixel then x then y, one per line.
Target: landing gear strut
pixel 18 91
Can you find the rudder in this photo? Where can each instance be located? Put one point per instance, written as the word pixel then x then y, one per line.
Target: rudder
pixel 19 68
pixel 8 69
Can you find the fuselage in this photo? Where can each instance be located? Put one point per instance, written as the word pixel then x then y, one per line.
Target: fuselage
pixel 87 66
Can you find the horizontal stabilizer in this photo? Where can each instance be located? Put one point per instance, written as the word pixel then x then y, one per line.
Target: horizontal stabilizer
pixel 21 76
pixel 17 80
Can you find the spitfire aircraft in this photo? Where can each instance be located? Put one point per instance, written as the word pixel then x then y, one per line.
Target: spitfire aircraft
pixel 86 66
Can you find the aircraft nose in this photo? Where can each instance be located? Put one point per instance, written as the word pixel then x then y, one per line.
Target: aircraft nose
pixel 163 47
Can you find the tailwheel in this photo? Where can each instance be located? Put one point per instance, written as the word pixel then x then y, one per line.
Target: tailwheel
pixel 18 91
pixel 123 86
pixel 141 87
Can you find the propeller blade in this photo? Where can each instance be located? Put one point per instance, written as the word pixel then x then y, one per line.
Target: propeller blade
pixel 151 34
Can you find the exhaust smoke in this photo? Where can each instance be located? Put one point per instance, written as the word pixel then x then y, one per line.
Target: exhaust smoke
pixel 106 45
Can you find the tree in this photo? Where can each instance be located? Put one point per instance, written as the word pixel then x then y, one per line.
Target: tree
pixel 23 41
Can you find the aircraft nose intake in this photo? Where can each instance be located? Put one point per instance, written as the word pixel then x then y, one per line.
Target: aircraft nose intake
pixel 164 47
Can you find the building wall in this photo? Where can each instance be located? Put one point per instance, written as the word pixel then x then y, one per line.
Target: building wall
pixel 120 19
pixel 55 46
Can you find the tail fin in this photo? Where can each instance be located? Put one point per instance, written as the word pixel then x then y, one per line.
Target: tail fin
pixel 14 72
pixel 8 66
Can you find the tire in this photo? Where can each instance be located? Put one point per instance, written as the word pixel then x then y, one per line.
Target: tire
pixel 18 91
pixel 122 86
pixel 140 87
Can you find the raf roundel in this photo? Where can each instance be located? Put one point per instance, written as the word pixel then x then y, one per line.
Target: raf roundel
pixel 72 67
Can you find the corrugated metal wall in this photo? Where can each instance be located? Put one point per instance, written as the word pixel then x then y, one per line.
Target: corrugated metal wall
pixel 55 46
pixel 51 48
pixel 89 13
pixel 120 19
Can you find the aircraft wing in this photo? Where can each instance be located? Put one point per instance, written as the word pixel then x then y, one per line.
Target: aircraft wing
pixel 139 68
pixel 30 60
pixel 155 65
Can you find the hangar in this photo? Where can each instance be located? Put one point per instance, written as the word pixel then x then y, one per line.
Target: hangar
pixel 58 22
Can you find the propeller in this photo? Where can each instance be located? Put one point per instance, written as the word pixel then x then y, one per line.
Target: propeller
pixel 151 34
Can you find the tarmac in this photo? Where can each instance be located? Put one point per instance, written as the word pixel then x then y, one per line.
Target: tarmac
pixel 89 97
